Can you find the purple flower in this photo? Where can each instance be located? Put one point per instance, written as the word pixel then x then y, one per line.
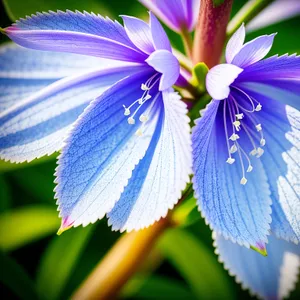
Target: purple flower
pixel 246 145
pixel 124 133
pixel 179 15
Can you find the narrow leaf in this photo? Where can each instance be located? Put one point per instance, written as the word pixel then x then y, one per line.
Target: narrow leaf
pixel 59 261
pixel 196 264
pixel 27 224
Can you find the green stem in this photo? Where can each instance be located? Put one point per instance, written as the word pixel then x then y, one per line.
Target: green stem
pixel 250 10
pixel 187 42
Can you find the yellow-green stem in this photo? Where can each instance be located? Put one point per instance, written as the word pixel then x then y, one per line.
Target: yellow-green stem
pixel 187 42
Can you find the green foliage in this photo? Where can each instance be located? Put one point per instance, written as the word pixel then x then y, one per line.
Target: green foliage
pixel 159 287
pixel 197 265
pixel 59 260
pixel 25 225
pixel 15 277
pixel 199 75
pixel 5 197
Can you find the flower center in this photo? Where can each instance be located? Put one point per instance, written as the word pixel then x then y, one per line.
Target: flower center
pixel 242 116
pixel 137 104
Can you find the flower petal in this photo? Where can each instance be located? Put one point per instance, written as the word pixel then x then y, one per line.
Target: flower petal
pixel 219 78
pixel 158 180
pixel 239 212
pixel 24 71
pixel 79 33
pixel 159 36
pixel 275 12
pixel 235 44
pixel 253 51
pixel 275 77
pixel 37 125
pixel 271 277
pixel 281 161
pixel 139 33
pixel 102 152
pixel 180 15
pixel 166 63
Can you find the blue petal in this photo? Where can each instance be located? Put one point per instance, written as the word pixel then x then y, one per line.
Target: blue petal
pixel 139 33
pixel 102 152
pixel 166 63
pixel 275 77
pixel 271 277
pixel 158 180
pixel 80 33
pixel 24 71
pixel 38 124
pixel 253 51
pixel 159 36
pixel 281 128
pixel 239 212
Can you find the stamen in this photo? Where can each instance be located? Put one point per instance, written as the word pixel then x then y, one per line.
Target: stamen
pixel 253 152
pixel 139 132
pixel 260 152
pixel 237 125
pixel 250 168
pixel 144 87
pixel 258 107
pixel 234 137
pixel 262 142
pixel 239 116
pixel 258 127
pixel 243 181
pixel 233 149
pixel 127 111
pixel 143 118
pixel 230 160
pixel 131 120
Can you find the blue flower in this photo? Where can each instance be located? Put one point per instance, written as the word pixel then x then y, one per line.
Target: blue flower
pixel 246 145
pixel 124 133
pixel 180 15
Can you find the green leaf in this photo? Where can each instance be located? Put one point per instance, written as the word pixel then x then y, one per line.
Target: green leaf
pixel 27 224
pixel 17 9
pixel 59 261
pixel 156 287
pixel 14 277
pixel 196 264
pixel 5 198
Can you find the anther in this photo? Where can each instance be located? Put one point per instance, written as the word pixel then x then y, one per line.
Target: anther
pixel 258 127
pixel 233 149
pixel 258 107
pixel 237 125
pixel 239 116
pixel 147 97
pixel 143 118
pixel 127 111
pixel 260 152
pixel 234 137
pixel 253 152
pixel 243 181
pixel 230 160
pixel 131 120
pixel 139 132
pixel 250 168
pixel 144 87
pixel 262 142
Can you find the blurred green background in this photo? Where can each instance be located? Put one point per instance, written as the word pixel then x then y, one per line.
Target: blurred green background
pixel 38 264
